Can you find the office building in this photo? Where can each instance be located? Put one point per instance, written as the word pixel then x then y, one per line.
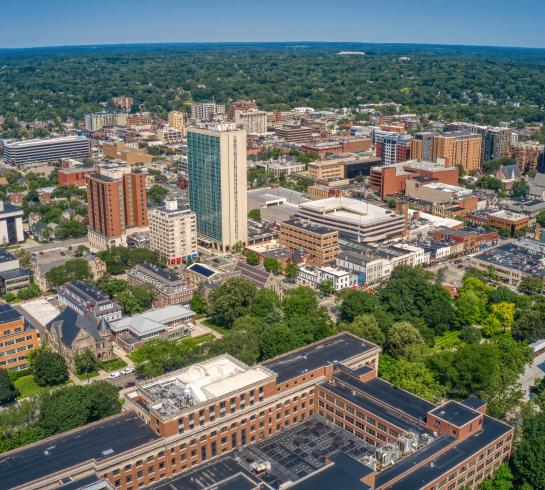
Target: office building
pixel 170 322
pixel 86 299
pixel 43 150
pixel 329 168
pixel 17 339
pixel 316 417
pixel 168 288
pixel 115 203
pixel 124 102
pixel 140 121
pixel 433 192
pixel 512 262
pixel 320 243
pixel 117 150
pixel 458 148
pixel 282 166
pixel 500 219
pixel 173 232
pixel 392 179
pixel 252 121
pixel 12 276
pixel 11 224
pixel 177 120
pixel 314 276
pixel 360 220
pixel 206 111
pixel 217 184
pixel 170 135
pixel 293 133
pixel 472 239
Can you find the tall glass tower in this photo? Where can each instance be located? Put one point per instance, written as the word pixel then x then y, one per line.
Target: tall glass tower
pixel 217 184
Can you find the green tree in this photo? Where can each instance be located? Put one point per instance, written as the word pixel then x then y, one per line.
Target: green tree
pixel 272 265
pixel 252 258
pixel 411 376
pixel 8 392
pixel 242 341
pixel 103 399
pixel 277 340
pixel 502 479
pixel 501 318
pixel 255 214
pixel 356 302
pixel 198 301
pixel 265 303
pixel 230 300
pixel 31 291
pixel 541 218
pixel 531 285
pixel 404 341
pixel 49 368
pixel 137 256
pixel 520 189
pixel 530 326
pixel 62 410
pixel 470 308
pixel 292 271
pixel 326 287
pixel 366 327
pixel 470 335
pixel 157 194
pixel 528 460
pixel 76 269
pixel 86 362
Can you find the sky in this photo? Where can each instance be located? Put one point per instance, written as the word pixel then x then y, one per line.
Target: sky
pixel 28 23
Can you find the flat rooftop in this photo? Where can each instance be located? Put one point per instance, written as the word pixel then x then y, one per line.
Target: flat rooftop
pixel 455 413
pixel 44 141
pixel 211 379
pixel 152 321
pixel 8 314
pixel 514 256
pixel 336 349
pixel 99 441
pixel 310 226
pixel 269 196
pixel 6 256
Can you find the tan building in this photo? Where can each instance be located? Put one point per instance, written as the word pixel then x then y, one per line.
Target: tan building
pixel 330 168
pixel 170 136
pixel 240 105
pixel 18 339
pixel 458 148
pixel 294 133
pixel 319 242
pixel 218 184
pixel 124 102
pixel 120 151
pixel 173 232
pixel 528 155
pixel 177 120
pixel 252 121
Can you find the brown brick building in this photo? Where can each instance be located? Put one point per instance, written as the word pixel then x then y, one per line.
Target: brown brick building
pixel 17 339
pixel 458 148
pixel 74 176
pixel 319 242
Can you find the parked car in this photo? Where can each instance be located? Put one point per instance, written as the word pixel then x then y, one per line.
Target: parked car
pixel 127 370
pixel 114 374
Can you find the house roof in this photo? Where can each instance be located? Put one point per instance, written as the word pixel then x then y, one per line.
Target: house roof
pixel 70 324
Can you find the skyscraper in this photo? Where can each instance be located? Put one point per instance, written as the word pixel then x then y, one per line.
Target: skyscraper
pixel 217 184
pixel 115 202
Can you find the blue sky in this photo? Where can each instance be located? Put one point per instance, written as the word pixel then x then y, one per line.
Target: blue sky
pixel 68 22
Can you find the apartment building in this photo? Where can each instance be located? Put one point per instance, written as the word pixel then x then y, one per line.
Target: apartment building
pixel 99 120
pixel 206 111
pixel 218 184
pixel 17 338
pixel 124 102
pixel 169 288
pixel 329 168
pixel 116 201
pixel 392 179
pixel 11 224
pixel 177 120
pixel 458 148
pixel 496 141
pixel 314 276
pixel 170 135
pixel 529 155
pixel 43 150
pixel 315 417
pixel 422 146
pixel 392 147
pixel 240 105
pixel 173 232
pixel 252 121
pixel 319 242
pixel 74 176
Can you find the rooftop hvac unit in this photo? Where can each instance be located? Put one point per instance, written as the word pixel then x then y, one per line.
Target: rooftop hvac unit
pixel 261 467
pixel 407 443
pixel 387 454
pixel 370 462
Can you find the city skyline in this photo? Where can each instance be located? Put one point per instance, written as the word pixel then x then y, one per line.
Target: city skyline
pixel 58 23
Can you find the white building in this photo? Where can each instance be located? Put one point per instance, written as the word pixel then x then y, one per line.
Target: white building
pixel 313 277
pixel 173 232
pixel 170 135
pixel 253 121
pixel 11 224
pixel 205 111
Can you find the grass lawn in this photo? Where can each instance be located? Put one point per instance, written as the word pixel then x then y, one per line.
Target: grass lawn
pixel 85 376
pixel 449 340
pixel 113 365
pixel 27 386
pixel 215 327
pixel 201 339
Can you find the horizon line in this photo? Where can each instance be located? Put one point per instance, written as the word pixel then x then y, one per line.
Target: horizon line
pixel 157 43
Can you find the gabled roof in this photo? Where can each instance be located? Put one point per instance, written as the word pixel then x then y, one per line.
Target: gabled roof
pixel 70 324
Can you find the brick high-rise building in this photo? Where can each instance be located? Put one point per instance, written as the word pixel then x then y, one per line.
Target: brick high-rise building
pixel 18 339
pixel 115 203
pixel 391 147
pixel 240 105
pixel 458 148
pixel 528 155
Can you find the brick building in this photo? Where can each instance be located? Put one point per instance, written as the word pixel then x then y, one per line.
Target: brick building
pixel 74 176
pixel 319 416
pixel 17 338
pixel 500 219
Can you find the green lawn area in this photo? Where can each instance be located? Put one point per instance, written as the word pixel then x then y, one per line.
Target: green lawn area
pixel 215 327
pixel 449 340
pixel 113 365
pixel 28 387
pixel 86 376
pixel 201 339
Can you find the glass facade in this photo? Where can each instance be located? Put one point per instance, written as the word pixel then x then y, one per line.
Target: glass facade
pixel 204 167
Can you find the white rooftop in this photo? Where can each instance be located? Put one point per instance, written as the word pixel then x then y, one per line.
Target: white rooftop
pixel 40 309
pixel 437 221
pixel 152 321
pixel 44 141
